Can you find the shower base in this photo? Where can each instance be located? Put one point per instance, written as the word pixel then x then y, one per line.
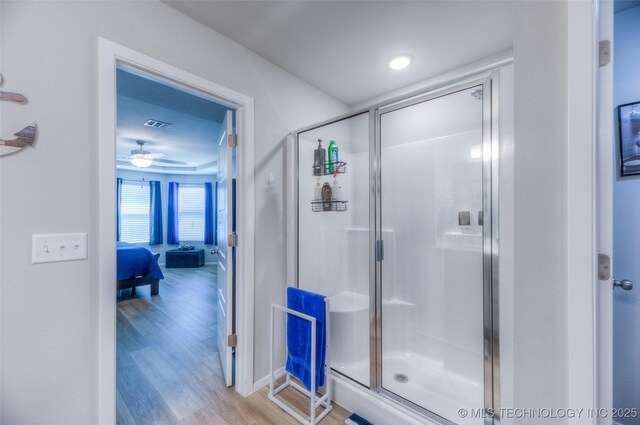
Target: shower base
pixel 430 385
pixel 359 372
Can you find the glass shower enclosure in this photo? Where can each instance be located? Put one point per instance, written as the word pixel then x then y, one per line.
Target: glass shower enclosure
pixel 333 257
pixel 400 233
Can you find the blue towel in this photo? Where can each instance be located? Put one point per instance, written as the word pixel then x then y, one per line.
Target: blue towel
pixel 299 336
pixel 356 420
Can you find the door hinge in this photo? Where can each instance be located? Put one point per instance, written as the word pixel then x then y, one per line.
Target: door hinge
pixel 604 54
pixel 232 340
pixel 604 267
pixel 233 140
pixel 233 240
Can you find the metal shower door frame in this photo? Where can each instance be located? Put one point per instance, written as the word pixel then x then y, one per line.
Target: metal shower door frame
pixel 490 149
pixel 490 156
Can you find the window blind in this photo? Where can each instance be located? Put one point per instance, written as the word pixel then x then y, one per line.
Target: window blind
pixel 134 212
pixel 191 212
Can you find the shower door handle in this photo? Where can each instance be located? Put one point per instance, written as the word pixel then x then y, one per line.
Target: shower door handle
pixel 379 250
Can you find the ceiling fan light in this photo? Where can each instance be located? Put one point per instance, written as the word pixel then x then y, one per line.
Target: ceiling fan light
pixel 140 161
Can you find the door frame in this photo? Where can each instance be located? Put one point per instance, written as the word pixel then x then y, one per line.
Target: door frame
pixel 605 149
pixel 490 241
pixel 500 334
pixel 587 156
pixel 110 55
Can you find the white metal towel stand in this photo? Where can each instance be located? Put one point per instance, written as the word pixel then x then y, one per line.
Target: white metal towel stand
pixel 314 400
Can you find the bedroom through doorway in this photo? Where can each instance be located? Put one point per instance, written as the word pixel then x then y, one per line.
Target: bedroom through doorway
pixel 175 221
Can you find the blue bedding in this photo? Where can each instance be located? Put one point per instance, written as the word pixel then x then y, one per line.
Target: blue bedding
pixel 136 261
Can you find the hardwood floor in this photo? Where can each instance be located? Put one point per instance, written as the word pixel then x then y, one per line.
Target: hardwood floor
pixel 168 369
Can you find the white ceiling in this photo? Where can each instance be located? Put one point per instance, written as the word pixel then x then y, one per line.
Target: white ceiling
pixel 192 137
pixel 342 47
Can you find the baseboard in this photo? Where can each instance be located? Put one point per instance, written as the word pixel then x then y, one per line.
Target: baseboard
pixel 265 381
pixel 210 263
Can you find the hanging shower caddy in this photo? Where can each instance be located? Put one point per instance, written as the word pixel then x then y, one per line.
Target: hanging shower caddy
pixel 340 166
pixel 333 204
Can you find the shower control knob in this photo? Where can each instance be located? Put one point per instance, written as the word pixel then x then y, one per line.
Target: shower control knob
pixel 625 284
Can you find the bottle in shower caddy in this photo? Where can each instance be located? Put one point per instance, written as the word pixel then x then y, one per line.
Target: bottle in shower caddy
pixel 332 150
pixel 319 158
pixel 326 197
pixel 336 190
pixel 317 191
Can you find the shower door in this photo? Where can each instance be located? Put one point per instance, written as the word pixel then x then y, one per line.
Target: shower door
pixel 434 244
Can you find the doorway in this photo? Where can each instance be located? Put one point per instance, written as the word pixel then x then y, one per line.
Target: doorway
pixel 626 231
pixel 616 304
pixel 174 215
pixel 111 58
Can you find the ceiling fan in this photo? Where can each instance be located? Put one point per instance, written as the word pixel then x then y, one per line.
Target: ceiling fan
pixel 142 158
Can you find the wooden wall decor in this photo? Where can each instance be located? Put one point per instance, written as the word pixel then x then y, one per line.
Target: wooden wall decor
pixel 24 137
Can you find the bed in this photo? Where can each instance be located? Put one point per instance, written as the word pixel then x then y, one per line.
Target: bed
pixel 137 266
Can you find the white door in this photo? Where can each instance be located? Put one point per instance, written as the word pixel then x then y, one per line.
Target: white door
pixel 226 271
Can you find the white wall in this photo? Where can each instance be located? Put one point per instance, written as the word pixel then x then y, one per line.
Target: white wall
pixel 540 272
pixel 164 180
pixel 626 228
pixel 48 311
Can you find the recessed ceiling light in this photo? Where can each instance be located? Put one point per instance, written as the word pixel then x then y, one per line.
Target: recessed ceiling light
pixel 399 62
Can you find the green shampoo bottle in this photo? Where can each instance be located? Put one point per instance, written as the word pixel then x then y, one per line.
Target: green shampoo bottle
pixel 332 150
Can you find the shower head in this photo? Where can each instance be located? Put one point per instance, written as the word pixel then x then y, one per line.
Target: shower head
pixel 477 93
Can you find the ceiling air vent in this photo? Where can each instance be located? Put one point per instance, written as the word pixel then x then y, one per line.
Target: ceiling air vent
pixel 156 123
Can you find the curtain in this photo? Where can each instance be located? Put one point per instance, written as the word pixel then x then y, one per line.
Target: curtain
pixel 155 213
pixel 215 216
pixel 172 215
pixel 233 203
pixel 118 202
pixel 208 214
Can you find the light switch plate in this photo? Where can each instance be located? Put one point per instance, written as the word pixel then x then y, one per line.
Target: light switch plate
pixel 58 247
